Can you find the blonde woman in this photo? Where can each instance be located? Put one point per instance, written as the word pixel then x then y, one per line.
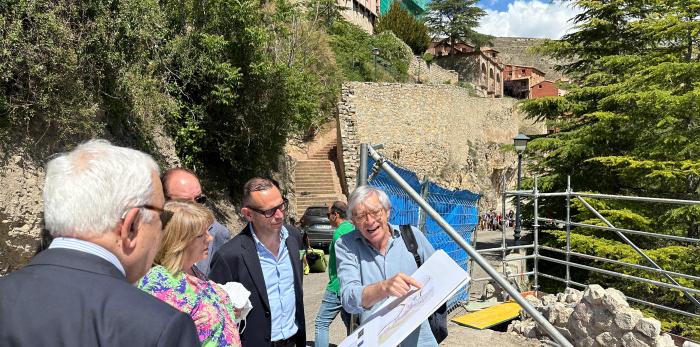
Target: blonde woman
pixel 176 280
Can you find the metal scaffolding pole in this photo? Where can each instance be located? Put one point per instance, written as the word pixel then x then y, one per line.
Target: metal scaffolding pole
pixel 548 327
pixel 362 174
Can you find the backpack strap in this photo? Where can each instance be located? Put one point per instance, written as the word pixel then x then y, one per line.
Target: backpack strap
pixel 411 244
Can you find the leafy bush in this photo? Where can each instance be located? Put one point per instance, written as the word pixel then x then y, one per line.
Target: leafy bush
pixel 410 30
pixel 353 51
pixel 231 80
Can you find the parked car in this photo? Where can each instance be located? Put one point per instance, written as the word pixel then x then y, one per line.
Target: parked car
pixel 315 223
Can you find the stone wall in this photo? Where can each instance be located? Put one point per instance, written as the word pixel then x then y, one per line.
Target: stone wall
pixel 435 130
pixel 420 72
pixel 596 317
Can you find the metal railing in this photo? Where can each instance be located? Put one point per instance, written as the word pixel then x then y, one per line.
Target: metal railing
pixel 366 150
pixel 622 233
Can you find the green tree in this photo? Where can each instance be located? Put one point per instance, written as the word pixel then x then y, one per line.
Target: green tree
pixel 632 125
pixel 455 20
pixel 409 29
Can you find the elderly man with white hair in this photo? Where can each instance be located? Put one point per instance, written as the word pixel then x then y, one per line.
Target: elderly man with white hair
pixel 103 205
pixel 374 262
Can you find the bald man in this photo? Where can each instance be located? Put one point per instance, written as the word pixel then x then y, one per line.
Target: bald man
pixel 182 184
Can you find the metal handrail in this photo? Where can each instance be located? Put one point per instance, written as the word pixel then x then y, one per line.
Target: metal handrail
pixel 513 292
pixel 620 232
pixel 617 262
pixel 626 231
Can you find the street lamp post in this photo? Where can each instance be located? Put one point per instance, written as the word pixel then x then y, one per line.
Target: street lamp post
pixel 520 143
pixel 375 53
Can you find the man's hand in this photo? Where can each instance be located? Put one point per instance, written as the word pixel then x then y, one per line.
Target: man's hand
pixel 399 285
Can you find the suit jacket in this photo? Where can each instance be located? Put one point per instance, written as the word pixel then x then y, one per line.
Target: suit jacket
pixel 238 261
pixel 66 297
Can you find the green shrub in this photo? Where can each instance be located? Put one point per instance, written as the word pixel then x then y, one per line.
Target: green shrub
pixel 353 51
pixel 410 30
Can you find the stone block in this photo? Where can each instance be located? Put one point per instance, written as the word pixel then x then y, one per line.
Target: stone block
pixel 614 300
pixel 594 294
pixel 602 320
pixel 529 329
pixel 559 314
pixel 629 339
pixel 626 320
pixel 586 341
pixel 664 340
pixel 649 327
pixel 607 339
pixel 577 328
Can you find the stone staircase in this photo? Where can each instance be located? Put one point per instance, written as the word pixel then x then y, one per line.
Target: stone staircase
pixel 316 179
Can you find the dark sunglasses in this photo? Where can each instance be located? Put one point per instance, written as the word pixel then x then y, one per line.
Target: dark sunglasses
pixel 271 212
pixel 164 215
pixel 200 199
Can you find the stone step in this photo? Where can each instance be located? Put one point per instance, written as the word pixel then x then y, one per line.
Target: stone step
pixel 329 185
pixel 314 180
pixel 311 172
pixel 316 191
pixel 312 162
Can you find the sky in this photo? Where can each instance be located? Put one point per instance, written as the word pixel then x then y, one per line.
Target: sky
pixel 526 18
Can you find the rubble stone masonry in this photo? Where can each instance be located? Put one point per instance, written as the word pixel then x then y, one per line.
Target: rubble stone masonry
pixel 436 130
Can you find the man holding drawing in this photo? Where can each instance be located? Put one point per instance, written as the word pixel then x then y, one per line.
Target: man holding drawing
pixel 373 261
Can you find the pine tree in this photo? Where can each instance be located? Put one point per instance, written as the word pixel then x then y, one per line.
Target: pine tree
pixel 455 20
pixel 632 127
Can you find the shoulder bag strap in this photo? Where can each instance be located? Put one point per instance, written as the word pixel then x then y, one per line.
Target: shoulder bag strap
pixel 410 240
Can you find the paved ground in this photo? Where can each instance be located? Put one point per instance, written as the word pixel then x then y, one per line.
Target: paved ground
pixel 315 285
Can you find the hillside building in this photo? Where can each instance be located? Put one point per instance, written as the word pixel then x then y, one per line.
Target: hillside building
pixel 526 82
pixel 362 13
pixel 479 67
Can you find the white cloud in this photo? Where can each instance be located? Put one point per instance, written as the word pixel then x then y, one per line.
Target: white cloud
pixel 530 19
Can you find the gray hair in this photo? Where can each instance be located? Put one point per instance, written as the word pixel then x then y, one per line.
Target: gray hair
pixel 361 193
pixel 87 190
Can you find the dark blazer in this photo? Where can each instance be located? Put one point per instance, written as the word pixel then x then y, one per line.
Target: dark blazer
pixel 66 297
pixel 238 261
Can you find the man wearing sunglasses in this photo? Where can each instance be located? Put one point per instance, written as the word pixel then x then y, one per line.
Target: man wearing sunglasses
pixel 103 205
pixel 182 184
pixel 264 257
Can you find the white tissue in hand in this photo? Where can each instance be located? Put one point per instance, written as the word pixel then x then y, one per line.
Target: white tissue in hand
pixel 239 296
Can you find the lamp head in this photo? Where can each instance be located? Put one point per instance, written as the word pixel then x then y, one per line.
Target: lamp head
pixel 520 142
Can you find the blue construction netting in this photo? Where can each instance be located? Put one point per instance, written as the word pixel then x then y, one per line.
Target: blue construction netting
pixel 457 207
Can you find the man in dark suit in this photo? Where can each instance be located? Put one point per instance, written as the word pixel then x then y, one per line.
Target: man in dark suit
pixel 264 257
pixel 104 207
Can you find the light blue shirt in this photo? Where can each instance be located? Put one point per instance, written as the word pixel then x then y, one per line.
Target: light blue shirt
pixel 279 282
pixel 220 235
pixel 360 264
pixel 87 247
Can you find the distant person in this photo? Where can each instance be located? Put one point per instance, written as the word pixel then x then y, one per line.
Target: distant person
pixel 176 280
pixel 511 218
pixel 103 205
pixel 182 184
pixel 373 261
pixel 331 305
pixel 264 257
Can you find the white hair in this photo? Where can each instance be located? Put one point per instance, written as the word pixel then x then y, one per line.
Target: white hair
pixel 361 193
pixel 88 189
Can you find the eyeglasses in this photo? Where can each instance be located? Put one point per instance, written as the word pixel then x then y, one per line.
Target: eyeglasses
pixel 164 215
pixel 200 199
pixel 271 212
pixel 361 218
